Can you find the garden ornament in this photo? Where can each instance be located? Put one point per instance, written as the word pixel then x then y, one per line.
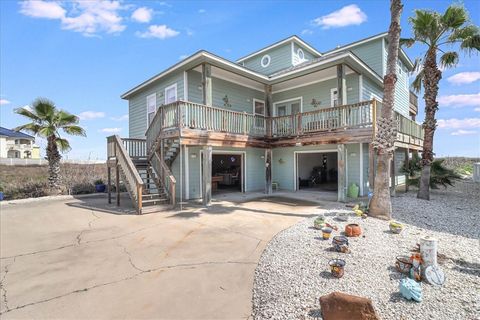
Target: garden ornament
pixel 434 275
pixel 416 270
pixel 411 290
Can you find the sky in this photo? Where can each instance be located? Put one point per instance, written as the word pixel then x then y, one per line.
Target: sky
pixel 84 54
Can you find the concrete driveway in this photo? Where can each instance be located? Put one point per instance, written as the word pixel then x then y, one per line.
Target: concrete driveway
pixel 81 258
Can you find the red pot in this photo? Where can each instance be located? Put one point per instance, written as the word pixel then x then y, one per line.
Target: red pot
pixel 353 230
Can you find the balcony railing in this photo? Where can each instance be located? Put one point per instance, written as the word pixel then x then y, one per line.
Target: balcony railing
pixel 182 114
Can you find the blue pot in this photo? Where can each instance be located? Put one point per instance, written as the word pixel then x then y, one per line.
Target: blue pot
pixel 1 196
pixel 100 187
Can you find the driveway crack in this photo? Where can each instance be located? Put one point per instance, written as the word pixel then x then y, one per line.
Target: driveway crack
pixel 3 289
pixel 130 259
pixel 79 236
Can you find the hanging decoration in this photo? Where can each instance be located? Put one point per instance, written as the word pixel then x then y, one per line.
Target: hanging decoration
pixel 226 102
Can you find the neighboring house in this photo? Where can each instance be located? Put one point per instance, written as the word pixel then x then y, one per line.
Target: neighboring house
pixel 287 116
pixel 15 144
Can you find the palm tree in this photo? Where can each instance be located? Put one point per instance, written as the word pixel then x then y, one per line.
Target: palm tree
pixel 381 205
pixel 47 121
pixel 442 35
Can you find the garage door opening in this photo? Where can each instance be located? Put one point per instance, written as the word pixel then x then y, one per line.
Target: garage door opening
pixel 227 173
pixel 317 171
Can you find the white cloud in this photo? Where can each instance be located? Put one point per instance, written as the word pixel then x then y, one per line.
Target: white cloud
pixel 346 16
pixel 89 115
pixel 111 130
pixel 463 132
pixel 158 31
pixel 142 15
pixel 464 77
pixel 86 17
pixel 460 100
pixel 4 102
pixel 477 109
pixel 42 9
pixel 307 31
pixel 202 11
pixel 121 118
pixel 459 123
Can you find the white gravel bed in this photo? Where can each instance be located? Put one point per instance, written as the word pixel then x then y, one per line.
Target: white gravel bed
pixel 293 271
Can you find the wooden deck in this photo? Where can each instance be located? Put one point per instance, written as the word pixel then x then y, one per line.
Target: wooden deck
pixel 196 124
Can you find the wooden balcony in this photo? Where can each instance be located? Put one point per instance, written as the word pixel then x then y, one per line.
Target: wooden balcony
pixel 198 124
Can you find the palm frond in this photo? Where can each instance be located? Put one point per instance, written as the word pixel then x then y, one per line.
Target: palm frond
pixel 29 127
pixel 417 83
pixel 26 112
pixel 449 59
pixel 463 33
pixel 63 144
pixel 47 131
pixel 64 118
pixel 44 108
pixel 454 17
pixel 74 130
pixel 407 42
pixel 471 44
pixel 425 25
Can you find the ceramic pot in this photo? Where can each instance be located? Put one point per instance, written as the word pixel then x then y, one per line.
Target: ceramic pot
pixel 340 244
pixel 1 196
pixel 353 230
pixel 395 227
pixel 342 216
pixel 337 267
pixel 319 223
pixel 326 232
pixel 403 264
pixel 100 187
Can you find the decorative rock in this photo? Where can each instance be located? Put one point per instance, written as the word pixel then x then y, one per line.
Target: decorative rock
pixel 342 306
pixel 411 290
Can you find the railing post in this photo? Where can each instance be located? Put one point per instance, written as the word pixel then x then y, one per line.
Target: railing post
pixel 244 123
pixel 299 123
pixel 139 199
pixel 374 116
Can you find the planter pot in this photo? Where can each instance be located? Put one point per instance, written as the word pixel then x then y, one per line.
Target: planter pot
pixel 353 230
pixel 1 196
pixel 326 232
pixel 395 227
pixel 403 264
pixel 342 216
pixel 319 223
pixel 337 267
pixel 100 187
pixel 340 244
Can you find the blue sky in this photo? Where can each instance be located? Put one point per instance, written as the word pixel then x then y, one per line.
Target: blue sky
pixel 83 55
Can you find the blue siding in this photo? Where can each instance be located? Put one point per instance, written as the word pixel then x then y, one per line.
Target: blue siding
pixel 371 53
pixel 281 58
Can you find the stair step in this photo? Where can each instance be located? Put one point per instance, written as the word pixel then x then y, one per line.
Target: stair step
pixel 153 202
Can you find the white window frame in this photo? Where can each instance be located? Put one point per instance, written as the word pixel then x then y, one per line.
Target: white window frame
pixel 332 94
pixel 264 65
pixel 173 86
pixel 285 101
pixel 154 95
pixel 264 108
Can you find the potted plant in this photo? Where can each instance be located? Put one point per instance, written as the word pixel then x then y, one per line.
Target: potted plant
pixel 99 185
pixel 1 192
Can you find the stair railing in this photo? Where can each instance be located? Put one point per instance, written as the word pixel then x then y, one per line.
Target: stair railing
pixel 166 177
pixel 134 184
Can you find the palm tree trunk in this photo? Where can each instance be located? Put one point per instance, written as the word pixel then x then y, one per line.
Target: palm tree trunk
pixel 53 157
pixel 430 82
pixel 381 205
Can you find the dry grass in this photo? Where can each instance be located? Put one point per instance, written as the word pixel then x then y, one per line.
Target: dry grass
pixel 21 182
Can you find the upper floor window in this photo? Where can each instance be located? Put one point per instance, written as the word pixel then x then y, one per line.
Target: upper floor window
pixel 259 107
pixel 334 97
pixel 300 54
pixel 171 94
pixel 151 107
pixel 265 62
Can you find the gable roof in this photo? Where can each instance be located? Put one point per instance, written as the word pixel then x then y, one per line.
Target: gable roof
pixel 293 38
pixel 14 134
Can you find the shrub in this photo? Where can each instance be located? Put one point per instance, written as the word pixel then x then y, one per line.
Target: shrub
pixel 98 181
pixel 82 188
pixel 439 175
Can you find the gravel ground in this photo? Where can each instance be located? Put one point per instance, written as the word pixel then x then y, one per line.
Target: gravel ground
pixel 293 271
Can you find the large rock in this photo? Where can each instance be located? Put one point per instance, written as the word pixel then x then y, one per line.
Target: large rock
pixel 342 306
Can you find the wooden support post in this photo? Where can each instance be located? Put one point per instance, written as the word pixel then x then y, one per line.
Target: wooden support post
pixel 341 173
pixel 407 163
pixel 393 175
pixel 207 175
pixel 341 85
pixel 109 183
pixel 371 167
pixel 268 171
pixel 207 84
pixel 268 109
pixel 117 183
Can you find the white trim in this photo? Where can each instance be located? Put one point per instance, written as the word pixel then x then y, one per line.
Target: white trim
pixel 292 47
pixel 360 87
pixel 303 54
pixel 378 36
pixel 332 99
pixel 264 65
pixel 295 164
pixel 173 86
pixel 185 85
pixel 373 95
pixel 311 82
pixel 187 172
pixel 261 101
pixel 384 63
pixel 361 168
pixel 292 38
pixel 148 97
pixel 287 100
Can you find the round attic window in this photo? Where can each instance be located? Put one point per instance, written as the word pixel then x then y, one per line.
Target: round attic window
pixel 265 62
pixel 300 54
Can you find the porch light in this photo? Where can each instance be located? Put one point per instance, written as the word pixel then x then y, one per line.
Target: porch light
pixel 193 155
pixel 298 144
